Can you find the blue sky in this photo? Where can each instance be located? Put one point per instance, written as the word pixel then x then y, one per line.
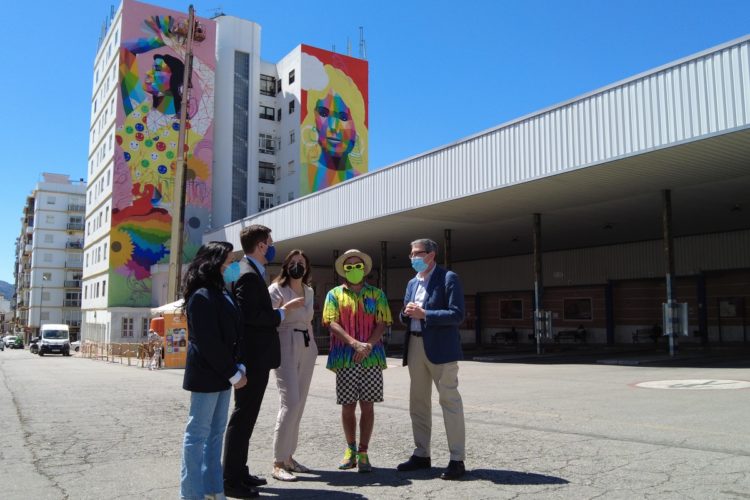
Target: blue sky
pixel 439 70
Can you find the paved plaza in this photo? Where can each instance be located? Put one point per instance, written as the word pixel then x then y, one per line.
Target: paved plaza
pixel 76 428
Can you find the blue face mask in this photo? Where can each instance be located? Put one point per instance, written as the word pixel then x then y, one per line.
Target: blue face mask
pixel 231 273
pixel 270 253
pixel 418 264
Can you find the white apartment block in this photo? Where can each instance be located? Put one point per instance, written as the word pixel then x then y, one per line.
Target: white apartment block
pixel 254 153
pixel 49 255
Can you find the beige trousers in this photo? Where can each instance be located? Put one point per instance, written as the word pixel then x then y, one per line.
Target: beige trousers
pixel 423 374
pixel 293 379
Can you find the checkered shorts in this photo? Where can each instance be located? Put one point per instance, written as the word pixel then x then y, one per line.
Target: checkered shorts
pixel 357 383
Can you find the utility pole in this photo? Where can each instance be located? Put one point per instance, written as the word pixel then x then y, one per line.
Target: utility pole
pixel 178 211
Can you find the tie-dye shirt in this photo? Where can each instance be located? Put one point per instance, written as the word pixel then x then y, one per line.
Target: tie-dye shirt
pixel 358 314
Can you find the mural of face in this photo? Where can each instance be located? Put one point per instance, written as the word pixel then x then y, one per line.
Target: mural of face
pixel 157 80
pixel 336 131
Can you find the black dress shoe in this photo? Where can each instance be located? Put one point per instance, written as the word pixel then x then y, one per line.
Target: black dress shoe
pixel 455 470
pixel 415 463
pixel 251 480
pixel 241 491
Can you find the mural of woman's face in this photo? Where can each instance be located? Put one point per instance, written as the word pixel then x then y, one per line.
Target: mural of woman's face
pixel 157 80
pixel 336 131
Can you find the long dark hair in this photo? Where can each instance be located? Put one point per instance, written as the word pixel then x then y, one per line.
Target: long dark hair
pixel 283 278
pixel 205 269
pixel 175 81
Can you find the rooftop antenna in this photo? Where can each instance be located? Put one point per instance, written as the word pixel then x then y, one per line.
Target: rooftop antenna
pixel 333 47
pixel 362 46
pixel 111 12
pixel 216 12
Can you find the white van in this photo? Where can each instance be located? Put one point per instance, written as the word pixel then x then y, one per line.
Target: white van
pixel 54 339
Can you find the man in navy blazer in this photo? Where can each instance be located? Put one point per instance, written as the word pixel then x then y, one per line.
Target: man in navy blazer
pixel 259 352
pixel 433 310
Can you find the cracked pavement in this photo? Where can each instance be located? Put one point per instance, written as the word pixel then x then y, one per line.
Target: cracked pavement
pixel 76 428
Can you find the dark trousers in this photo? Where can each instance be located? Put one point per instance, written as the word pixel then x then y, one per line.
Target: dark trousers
pixel 247 403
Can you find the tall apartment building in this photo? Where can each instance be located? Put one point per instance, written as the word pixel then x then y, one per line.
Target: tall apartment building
pixel 252 142
pixel 49 261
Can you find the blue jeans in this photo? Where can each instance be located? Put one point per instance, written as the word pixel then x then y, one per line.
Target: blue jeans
pixel 201 472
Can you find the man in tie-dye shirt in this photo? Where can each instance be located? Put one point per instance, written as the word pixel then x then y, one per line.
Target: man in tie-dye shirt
pixel 356 314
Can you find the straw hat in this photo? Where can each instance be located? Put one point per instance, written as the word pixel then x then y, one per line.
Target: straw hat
pixel 353 253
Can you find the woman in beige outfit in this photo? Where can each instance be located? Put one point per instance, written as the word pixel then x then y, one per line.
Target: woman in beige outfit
pixel 298 354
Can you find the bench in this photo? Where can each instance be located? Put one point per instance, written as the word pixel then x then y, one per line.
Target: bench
pixel 652 333
pixel 507 336
pixel 573 335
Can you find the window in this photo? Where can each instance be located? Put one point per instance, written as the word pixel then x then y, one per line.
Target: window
pixel 51 200
pixel 104 287
pixel 86 292
pixel 267 85
pixel 290 167
pixel 46 276
pixel 278 115
pixel 291 77
pixel 48 238
pixel 266 144
pixel 265 201
pixel 127 327
pixel 144 327
pixel 50 219
pixel 266 172
pixel 267 113
pixel 278 86
pixel 290 197
pixel 96 290
pixel 291 107
pixel 291 137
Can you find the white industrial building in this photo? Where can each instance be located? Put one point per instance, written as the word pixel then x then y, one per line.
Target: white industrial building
pixel 49 259
pixel 594 177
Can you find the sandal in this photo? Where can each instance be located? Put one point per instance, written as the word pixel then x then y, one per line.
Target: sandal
pixel 282 475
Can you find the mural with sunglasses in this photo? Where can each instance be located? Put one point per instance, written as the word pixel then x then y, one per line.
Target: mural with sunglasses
pixel 334 119
pixel 152 95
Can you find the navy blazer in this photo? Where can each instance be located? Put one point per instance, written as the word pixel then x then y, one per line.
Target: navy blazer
pixel 214 327
pixel 444 309
pixel 259 341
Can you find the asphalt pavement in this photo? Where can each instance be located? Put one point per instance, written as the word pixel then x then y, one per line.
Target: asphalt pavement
pixel 75 428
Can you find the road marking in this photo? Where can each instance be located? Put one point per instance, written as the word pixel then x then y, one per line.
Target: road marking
pixel 695 384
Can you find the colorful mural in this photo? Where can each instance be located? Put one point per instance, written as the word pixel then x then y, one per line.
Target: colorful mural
pixel 334 119
pixel 151 71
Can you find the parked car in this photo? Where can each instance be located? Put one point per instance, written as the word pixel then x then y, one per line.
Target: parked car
pixel 75 346
pixel 2 346
pixel 16 343
pixel 34 345
pixel 6 340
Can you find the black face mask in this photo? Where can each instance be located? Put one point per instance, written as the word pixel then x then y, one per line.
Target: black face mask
pixel 296 271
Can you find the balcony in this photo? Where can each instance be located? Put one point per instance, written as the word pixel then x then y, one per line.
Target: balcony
pixel 72 284
pixel 72 303
pixel 74 264
pixel 74 244
pixel 27 248
pixel 75 226
pixel 76 208
pixel 29 229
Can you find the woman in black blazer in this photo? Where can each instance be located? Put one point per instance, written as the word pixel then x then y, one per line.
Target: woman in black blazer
pixel 211 369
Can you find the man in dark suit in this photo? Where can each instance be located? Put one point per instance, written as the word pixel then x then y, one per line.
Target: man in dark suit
pixel 433 310
pixel 259 352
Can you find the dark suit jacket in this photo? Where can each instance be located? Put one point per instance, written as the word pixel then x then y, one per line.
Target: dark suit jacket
pixel 259 342
pixel 214 326
pixel 444 308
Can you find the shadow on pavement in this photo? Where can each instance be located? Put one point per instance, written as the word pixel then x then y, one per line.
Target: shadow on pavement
pixel 378 477
pixel 512 477
pixel 308 493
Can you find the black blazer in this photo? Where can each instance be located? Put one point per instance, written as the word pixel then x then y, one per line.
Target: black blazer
pixel 214 326
pixel 259 342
